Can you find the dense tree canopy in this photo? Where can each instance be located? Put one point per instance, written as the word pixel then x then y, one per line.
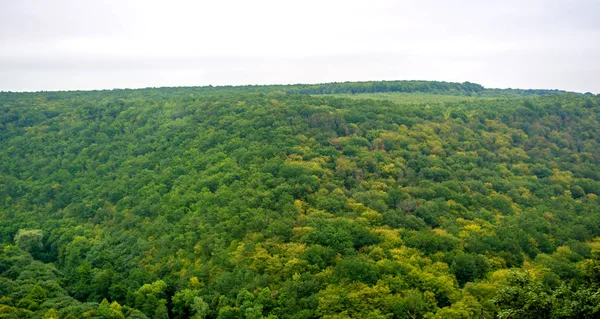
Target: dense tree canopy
pixel 399 199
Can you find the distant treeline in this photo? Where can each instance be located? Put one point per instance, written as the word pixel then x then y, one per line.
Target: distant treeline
pixel 389 86
pixel 521 92
pixel 435 87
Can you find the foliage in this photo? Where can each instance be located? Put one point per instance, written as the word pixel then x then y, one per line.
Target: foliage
pixel 398 199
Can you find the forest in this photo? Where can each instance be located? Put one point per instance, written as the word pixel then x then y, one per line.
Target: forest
pixel 390 199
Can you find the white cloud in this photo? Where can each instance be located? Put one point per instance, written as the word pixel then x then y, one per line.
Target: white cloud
pixel 71 44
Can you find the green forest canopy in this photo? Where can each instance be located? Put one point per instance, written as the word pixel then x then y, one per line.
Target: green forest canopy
pixel 395 199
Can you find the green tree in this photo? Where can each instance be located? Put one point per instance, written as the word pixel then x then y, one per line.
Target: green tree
pixel 523 297
pixel 151 299
pixel 29 240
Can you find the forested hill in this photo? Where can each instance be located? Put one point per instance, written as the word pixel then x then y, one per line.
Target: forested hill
pixel 400 199
pixel 432 87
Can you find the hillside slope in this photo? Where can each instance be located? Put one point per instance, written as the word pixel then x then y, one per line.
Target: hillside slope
pixel 281 202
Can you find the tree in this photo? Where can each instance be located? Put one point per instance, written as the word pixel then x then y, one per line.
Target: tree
pixel 109 311
pixel 150 299
pixel 187 303
pixel 51 314
pixel 414 304
pixel 467 267
pixel 37 294
pixel 29 240
pixel 523 297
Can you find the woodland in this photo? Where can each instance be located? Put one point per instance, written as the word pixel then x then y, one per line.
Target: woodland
pixel 387 199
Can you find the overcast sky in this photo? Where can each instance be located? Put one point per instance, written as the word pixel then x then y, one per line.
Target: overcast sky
pixel 78 44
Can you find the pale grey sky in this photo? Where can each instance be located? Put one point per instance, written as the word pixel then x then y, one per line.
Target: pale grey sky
pixel 79 44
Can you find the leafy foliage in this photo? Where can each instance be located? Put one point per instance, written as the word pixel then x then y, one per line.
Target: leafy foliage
pixel 400 199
